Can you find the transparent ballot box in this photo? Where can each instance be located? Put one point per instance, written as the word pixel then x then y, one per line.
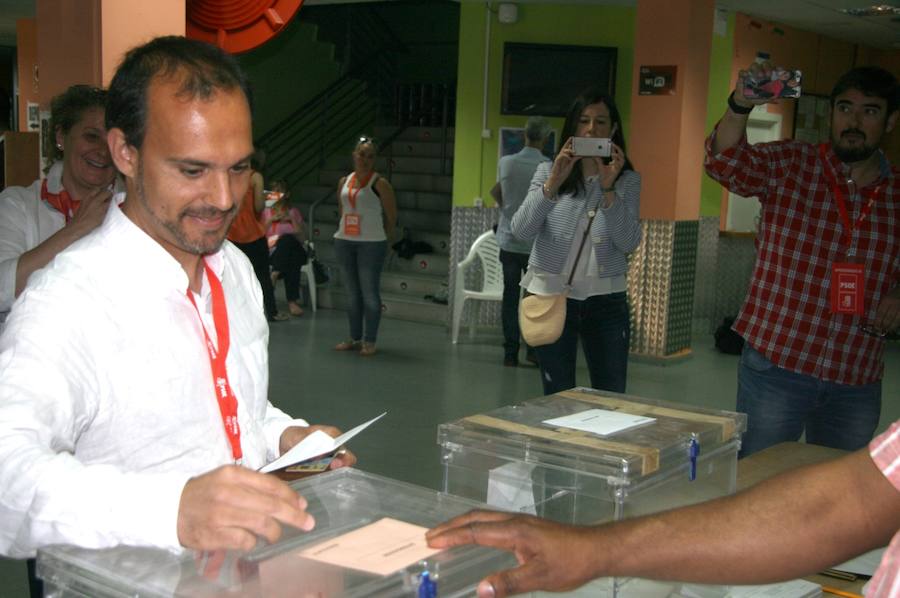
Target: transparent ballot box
pixel 601 457
pixel 671 455
pixel 361 546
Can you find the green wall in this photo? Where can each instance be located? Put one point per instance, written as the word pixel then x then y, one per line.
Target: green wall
pixel 287 71
pixel 475 163
pixel 719 89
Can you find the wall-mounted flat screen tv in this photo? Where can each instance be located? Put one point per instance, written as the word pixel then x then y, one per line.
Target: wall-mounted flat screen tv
pixel 544 78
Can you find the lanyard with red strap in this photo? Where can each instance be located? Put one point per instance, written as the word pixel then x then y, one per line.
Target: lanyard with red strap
pixel 224 395
pixel 62 202
pixel 839 199
pixel 350 194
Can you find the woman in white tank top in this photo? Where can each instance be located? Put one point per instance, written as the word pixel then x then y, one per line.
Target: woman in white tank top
pixel 368 214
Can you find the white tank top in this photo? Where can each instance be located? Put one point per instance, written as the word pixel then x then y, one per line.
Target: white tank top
pixel 368 209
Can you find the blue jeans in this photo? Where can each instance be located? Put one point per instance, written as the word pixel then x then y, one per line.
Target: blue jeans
pixel 603 323
pixel 362 262
pixel 513 266
pixel 781 404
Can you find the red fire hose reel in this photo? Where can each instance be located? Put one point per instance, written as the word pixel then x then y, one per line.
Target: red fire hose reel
pixel 238 25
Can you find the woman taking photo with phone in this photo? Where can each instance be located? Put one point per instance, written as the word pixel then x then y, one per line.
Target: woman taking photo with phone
pixel 368 214
pixel 582 212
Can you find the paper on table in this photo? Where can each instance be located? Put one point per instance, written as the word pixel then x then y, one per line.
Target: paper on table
pixel 382 548
pixel 864 564
pixel 510 487
pixel 600 421
pixel 316 444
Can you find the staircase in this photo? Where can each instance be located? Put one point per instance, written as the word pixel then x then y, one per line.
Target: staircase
pixel 412 163
pixel 412 122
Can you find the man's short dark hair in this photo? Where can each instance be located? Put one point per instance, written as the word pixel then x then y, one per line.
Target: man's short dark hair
pixel 871 81
pixel 201 68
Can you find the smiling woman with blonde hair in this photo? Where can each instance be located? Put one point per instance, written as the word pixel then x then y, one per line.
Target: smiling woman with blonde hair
pixel 39 221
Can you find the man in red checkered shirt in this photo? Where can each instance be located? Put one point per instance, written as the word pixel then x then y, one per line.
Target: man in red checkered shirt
pixel 826 284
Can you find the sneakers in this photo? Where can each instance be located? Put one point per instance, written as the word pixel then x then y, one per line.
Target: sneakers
pixel 367 349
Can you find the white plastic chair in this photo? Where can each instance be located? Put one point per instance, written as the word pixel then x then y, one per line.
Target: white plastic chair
pixel 306 270
pixel 487 252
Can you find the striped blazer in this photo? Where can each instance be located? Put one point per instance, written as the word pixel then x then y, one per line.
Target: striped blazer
pixel 615 233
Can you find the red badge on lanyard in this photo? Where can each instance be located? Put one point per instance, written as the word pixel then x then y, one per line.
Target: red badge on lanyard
pixel 228 404
pixel 848 279
pixel 352 226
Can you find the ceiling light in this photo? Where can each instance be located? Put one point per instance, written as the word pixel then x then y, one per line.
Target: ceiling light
pixel 876 10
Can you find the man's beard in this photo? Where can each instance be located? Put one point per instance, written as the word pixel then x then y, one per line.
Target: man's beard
pixel 205 245
pixel 852 154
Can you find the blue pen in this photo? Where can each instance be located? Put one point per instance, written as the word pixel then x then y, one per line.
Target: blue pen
pixel 693 452
pixel 427 586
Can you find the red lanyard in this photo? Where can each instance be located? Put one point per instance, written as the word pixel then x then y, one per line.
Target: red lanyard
pixel 849 227
pixel 363 183
pixel 62 202
pixel 227 401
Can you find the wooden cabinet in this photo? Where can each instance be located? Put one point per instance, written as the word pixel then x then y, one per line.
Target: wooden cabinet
pixel 20 154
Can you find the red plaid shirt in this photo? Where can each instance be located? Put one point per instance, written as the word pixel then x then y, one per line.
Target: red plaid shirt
pixel 787 314
pixel 885 452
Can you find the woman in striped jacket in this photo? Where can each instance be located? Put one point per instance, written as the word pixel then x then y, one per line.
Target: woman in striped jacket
pixel 564 197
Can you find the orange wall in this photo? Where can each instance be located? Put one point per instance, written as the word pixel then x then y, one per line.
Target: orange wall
pixel 667 131
pixel 26 50
pixel 68 45
pixel 823 60
pixel 129 23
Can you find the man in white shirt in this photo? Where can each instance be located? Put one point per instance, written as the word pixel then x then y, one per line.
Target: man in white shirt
pixel 515 174
pixel 112 428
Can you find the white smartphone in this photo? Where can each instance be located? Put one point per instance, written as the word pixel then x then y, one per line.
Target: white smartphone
pixel 592 146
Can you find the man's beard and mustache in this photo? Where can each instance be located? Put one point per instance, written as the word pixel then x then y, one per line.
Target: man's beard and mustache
pixel 206 244
pixel 852 154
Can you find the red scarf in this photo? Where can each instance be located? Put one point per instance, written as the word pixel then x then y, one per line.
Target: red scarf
pixel 62 202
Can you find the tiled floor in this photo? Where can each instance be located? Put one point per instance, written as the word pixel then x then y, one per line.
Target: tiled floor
pixel 421 379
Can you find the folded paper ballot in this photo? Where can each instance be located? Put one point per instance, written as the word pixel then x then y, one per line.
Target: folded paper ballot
pixel 600 421
pixel 315 445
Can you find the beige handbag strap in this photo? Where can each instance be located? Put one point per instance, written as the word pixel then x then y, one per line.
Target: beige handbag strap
pixel 587 231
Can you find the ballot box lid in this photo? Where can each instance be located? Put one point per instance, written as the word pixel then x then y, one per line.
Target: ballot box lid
pixel 344 502
pixel 633 437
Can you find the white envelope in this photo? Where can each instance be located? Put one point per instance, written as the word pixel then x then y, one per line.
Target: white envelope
pixel 316 444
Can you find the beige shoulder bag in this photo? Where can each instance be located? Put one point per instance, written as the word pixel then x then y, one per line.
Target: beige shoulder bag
pixel 542 317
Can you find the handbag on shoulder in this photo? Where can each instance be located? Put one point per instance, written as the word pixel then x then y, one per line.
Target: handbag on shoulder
pixel 542 317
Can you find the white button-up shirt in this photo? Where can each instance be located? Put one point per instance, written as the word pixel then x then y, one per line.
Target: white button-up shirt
pixel 107 404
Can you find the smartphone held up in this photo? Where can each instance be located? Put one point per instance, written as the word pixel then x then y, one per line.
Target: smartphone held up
pixel 592 146
pixel 779 83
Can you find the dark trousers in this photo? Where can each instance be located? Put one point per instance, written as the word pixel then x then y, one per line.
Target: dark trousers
pixel 287 258
pixel 35 585
pixel 602 323
pixel 258 253
pixel 514 264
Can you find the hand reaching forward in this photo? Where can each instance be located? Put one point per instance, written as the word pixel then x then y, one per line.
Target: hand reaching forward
pixel 551 556
pixel 229 507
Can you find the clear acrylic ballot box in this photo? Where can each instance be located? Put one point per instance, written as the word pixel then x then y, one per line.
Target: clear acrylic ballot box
pixel 585 456
pixel 331 560
pixel 666 456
